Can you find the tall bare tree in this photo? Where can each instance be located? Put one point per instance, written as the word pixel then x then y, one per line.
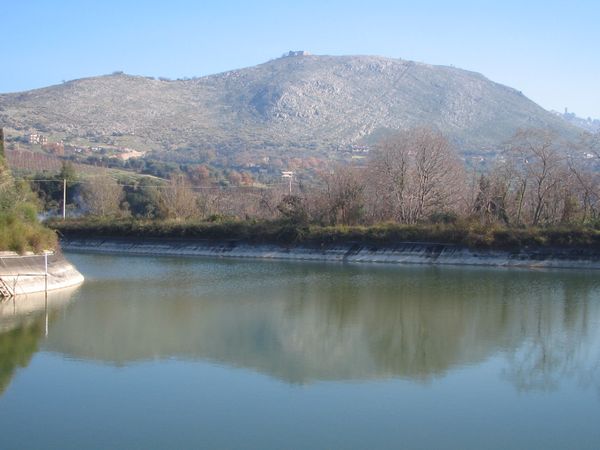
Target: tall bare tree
pixel 414 174
pixel 388 179
pixel 540 171
pixel 177 200
pixel 438 174
pixel 103 196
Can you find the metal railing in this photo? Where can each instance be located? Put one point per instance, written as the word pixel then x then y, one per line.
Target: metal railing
pixel 7 292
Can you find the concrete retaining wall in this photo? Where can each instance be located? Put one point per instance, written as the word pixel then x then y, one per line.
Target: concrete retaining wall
pixel 26 274
pixel 402 253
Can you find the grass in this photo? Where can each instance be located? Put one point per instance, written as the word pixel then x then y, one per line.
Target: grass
pixel 20 230
pixel 253 231
pixel 20 235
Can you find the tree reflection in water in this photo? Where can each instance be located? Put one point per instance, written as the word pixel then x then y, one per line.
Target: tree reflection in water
pixel 23 324
pixel 303 323
pixel 17 346
pixel 564 343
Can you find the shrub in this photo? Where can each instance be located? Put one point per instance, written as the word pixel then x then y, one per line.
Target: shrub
pixel 470 234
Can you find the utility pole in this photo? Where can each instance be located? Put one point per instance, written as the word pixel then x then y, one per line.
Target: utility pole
pixel 46 289
pixel 46 272
pixel 289 175
pixel 64 198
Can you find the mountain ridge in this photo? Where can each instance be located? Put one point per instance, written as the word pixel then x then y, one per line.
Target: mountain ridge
pixel 291 104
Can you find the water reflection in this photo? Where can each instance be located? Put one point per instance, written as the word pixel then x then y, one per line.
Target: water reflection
pixel 24 321
pixel 302 323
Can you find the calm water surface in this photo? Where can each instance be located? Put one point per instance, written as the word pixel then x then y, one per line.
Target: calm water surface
pixel 191 353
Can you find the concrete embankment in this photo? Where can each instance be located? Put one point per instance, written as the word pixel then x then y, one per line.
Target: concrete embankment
pixel 400 253
pixel 27 274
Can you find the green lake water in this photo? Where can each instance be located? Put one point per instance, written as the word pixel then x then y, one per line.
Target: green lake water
pixel 242 354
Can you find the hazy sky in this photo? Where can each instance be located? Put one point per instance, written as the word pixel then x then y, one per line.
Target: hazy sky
pixel 550 50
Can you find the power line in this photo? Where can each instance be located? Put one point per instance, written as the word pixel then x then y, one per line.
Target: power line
pixel 166 185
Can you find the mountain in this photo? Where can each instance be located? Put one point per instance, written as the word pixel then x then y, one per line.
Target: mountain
pixel 295 104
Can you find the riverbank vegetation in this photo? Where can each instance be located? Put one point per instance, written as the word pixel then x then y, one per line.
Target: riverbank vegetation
pixel 468 234
pixel 20 229
pixel 412 187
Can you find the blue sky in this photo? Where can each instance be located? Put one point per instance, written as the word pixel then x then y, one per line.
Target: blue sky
pixel 547 49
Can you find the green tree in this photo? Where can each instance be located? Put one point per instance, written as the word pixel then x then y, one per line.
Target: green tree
pixel 49 189
pixel 67 172
pixel 143 198
pixel 19 228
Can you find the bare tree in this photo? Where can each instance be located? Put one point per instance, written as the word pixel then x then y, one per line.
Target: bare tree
pixel 415 174
pixel 177 200
pixel 436 174
pixel 340 200
pixel 388 180
pixel 489 205
pixel 102 196
pixel 586 188
pixel 269 201
pixel 500 193
pixel 540 171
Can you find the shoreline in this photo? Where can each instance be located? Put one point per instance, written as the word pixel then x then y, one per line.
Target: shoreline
pixel 399 253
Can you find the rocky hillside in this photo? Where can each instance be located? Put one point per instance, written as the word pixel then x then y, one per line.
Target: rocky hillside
pixel 292 104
